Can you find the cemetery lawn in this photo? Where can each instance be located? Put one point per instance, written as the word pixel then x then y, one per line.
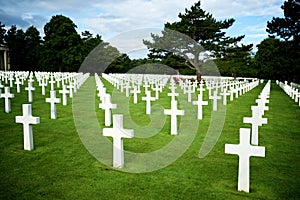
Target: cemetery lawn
pixel 60 167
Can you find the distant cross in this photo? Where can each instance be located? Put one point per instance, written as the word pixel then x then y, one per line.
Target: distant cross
pixel 146 86
pixel 215 99
pixel 173 112
pixel 11 79
pixel 127 87
pixel 1 86
pixel 64 93
pixel 200 103
pixel 224 96
pixel 256 120
pixel 148 100
pixel 71 87
pixel 7 96
pixel 135 91
pixel 29 88
pixel 244 150
pixel 189 92
pixel 107 106
pixel 43 84
pixel 27 120
pixel 18 83
pixel 173 94
pixel 262 105
pixel 53 100
pixel 118 133
pixel 52 82
pixel 157 89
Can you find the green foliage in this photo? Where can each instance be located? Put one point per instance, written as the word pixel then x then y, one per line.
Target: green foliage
pixel 61 44
pixel 278 59
pixel 197 33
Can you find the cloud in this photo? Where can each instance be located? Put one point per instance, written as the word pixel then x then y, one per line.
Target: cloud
pixel 240 8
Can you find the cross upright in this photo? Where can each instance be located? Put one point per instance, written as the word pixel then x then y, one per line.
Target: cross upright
pixel 189 92
pixel 64 93
pixel 244 150
pixel 118 133
pixel 173 94
pixel 18 83
pixel 53 100
pixel 7 96
pixel 135 91
pixel 200 103
pixel 52 83
pixel 107 106
pixel 261 103
pixel 11 79
pixel 71 87
pixel 173 112
pixel 256 120
pixel 29 88
pixel 224 96
pixel 27 120
pixel 215 99
pixel 43 85
pixel 148 100
pixel 157 89
pixel 127 87
pixel 146 86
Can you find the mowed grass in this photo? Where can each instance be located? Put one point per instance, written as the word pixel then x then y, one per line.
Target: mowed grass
pixel 60 167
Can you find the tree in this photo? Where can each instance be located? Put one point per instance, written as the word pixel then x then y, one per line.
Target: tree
pixel 2 33
pixel 32 49
pixel 288 29
pixel 62 44
pixel 15 40
pixel 197 37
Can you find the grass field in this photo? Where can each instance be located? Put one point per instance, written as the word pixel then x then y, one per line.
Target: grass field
pixel 60 167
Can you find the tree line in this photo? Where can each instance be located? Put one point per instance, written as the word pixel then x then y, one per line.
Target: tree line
pixel 191 45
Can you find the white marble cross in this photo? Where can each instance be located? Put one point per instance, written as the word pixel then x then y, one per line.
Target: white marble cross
pixel 256 120
pixel 53 100
pixel 71 87
pixel 118 133
pixel 224 96
pixel 200 103
pixel 244 150
pixel 29 88
pixel 148 100
pixel 215 99
pixel 52 83
pixel 43 85
pixel 127 89
pixel 64 93
pixel 173 112
pixel 18 83
pixel 107 106
pixel 27 120
pixel 7 96
pixel 157 89
pixel 189 92
pixel 135 91
pixel 262 105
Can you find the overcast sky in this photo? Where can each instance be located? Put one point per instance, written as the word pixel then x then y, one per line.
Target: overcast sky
pixel 111 18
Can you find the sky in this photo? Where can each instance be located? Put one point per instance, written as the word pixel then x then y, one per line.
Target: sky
pixel 124 23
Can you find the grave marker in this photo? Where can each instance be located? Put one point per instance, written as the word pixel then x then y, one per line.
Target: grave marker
pixel 173 112
pixel 118 133
pixel 27 120
pixel 7 96
pixel 53 100
pixel 244 150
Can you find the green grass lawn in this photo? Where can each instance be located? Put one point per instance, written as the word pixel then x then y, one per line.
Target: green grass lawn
pixel 60 167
